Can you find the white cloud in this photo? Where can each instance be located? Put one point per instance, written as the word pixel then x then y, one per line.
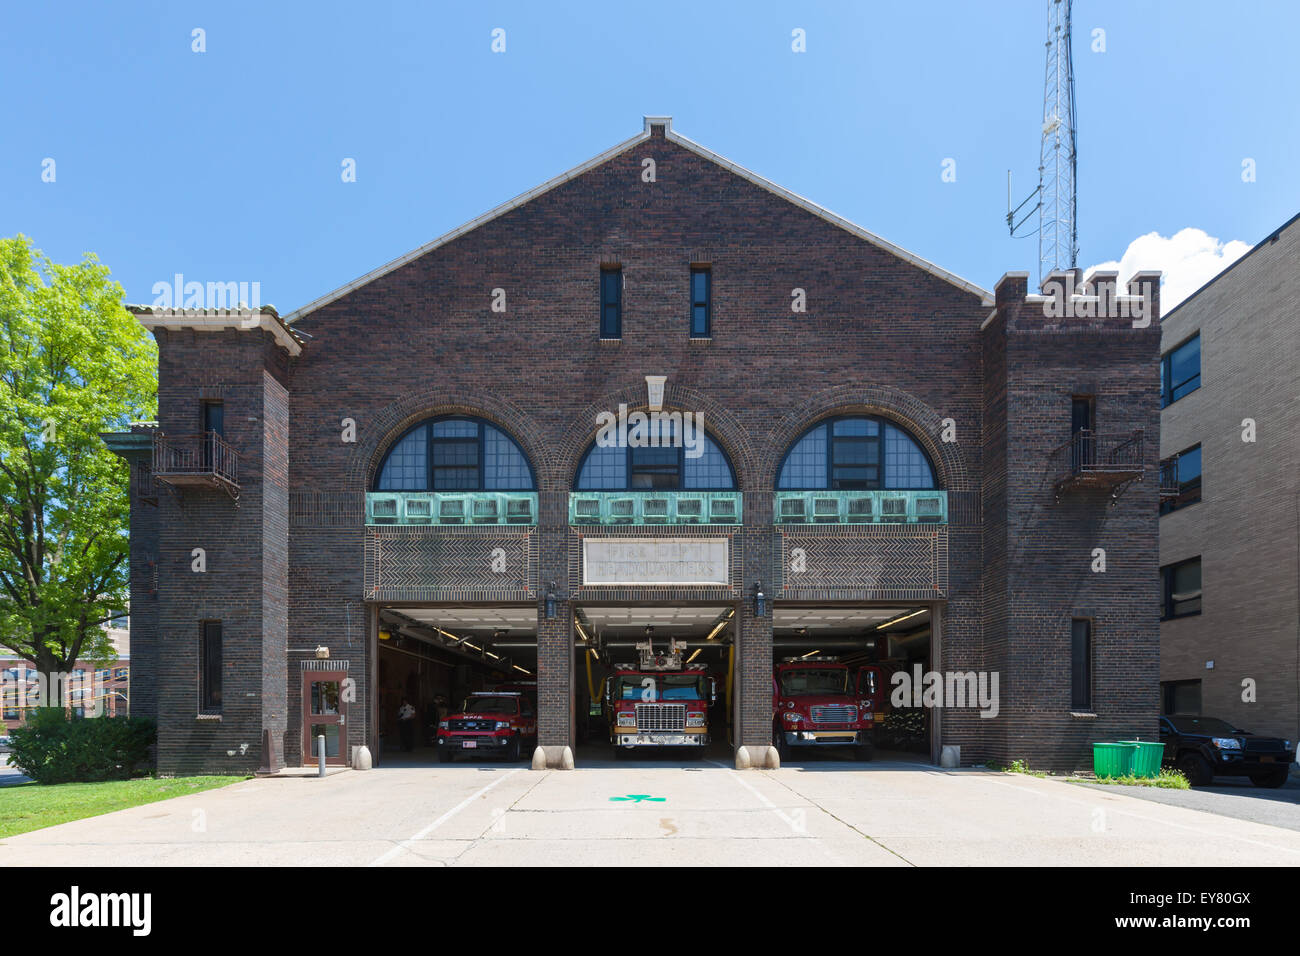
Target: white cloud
pixel 1188 259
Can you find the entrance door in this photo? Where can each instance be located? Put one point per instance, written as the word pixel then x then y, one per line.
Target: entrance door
pixel 324 713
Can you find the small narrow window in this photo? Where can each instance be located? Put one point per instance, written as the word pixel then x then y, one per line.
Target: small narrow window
pixel 1081 664
pixel 1181 697
pixel 1185 474
pixel 1180 371
pixel 701 302
pixel 611 303
pixel 1182 589
pixel 210 668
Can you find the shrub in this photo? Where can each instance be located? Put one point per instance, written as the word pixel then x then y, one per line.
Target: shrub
pixel 51 748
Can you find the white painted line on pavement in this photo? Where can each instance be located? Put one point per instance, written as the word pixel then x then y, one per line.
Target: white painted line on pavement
pixel 795 827
pixel 401 847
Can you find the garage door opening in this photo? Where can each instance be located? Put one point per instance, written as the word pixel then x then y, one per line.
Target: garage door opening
pixel 654 683
pixel 467 678
pixel 833 682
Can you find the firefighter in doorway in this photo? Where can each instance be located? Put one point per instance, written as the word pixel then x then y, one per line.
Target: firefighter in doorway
pixel 406 725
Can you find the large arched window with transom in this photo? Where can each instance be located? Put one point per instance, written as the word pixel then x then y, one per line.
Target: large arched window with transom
pixel 856 453
pixel 455 453
pixel 673 465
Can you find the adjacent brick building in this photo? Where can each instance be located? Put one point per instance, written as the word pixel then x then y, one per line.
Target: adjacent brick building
pixel 1230 533
pixel 408 467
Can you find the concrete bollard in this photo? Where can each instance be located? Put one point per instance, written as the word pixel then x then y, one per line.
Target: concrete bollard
pixel 950 756
pixel 320 758
pixel 553 758
pixel 757 758
pixel 361 759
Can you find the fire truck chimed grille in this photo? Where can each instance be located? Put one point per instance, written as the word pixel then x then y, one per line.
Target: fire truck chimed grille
pixel 834 714
pixel 660 717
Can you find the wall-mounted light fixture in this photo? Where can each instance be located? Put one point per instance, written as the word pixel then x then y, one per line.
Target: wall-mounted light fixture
pixel 322 653
pixel 760 600
pixel 550 601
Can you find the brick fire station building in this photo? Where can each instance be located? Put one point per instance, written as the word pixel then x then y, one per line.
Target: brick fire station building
pixel 401 489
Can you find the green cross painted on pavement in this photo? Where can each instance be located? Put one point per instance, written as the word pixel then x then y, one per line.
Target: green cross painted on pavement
pixel 641 798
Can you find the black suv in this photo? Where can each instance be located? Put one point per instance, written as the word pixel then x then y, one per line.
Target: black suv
pixel 1205 747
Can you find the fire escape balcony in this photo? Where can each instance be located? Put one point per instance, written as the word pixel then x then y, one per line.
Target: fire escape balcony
pixel 1169 487
pixel 1109 461
pixel 204 460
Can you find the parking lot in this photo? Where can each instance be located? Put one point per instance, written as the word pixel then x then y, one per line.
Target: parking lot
pixel 820 812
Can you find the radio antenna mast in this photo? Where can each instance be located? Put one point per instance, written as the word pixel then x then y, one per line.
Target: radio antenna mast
pixel 1057 206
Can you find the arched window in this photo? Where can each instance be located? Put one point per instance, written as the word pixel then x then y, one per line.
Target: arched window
pixel 855 453
pixel 455 454
pixel 671 466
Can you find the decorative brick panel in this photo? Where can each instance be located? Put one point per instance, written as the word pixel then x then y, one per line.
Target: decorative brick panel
pixel 450 564
pixel 878 563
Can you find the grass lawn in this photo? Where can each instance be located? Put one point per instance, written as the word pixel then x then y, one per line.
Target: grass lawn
pixel 30 806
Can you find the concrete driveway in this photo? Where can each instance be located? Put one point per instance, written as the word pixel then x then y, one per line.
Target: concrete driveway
pixel 885 813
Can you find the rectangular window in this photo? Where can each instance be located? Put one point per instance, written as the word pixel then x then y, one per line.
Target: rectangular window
pixel 1180 371
pixel 855 455
pixel 611 303
pixel 210 668
pixel 455 464
pixel 701 302
pixel 1081 664
pixel 652 468
pixel 1187 474
pixel 1181 697
pixel 214 418
pixel 1182 589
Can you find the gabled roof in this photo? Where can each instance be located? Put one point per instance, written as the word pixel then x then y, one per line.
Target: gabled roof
pixel 986 297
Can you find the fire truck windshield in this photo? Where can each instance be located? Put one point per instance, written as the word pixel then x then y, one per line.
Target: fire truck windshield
pixel 815 680
pixel 665 687
pixel 490 705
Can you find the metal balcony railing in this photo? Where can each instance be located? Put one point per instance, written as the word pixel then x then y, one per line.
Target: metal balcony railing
pixel 877 506
pixel 143 488
pixel 206 459
pixel 1100 459
pixel 451 508
pixel 654 507
pixel 1169 486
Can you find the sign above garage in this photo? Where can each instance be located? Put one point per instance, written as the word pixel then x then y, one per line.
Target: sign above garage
pixel 655 561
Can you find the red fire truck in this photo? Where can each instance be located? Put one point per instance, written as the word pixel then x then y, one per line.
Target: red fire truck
pixel 659 702
pixel 820 702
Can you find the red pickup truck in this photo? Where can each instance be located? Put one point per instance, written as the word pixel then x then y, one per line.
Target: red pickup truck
pixel 819 702
pixel 493 723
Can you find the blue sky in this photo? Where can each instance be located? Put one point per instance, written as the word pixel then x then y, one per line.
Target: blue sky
pixel 225 165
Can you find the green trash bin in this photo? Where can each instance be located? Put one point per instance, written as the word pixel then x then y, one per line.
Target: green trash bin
pixel 1147 755
pixel 1112 759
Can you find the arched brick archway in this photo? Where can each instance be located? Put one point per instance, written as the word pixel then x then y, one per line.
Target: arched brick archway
pixel 721 425
pixel 918 418
pixel 376 435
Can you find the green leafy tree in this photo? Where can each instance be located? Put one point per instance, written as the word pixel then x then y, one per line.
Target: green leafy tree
pixel 73 363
